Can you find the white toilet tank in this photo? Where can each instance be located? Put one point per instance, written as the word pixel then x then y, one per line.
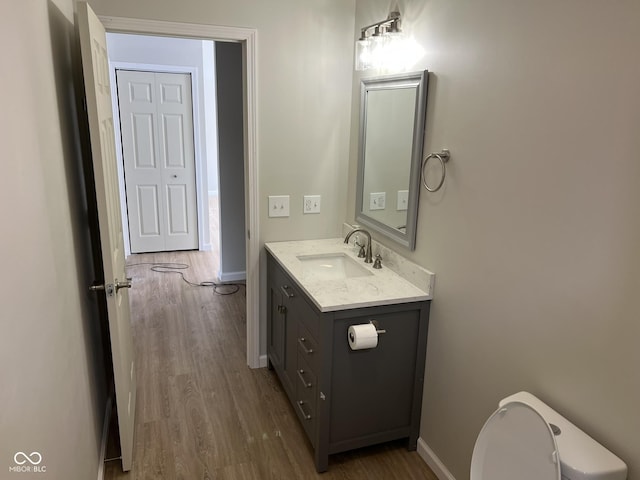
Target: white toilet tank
pixel 581 457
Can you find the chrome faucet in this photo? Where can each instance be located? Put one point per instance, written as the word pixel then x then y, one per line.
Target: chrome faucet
pixel 368 258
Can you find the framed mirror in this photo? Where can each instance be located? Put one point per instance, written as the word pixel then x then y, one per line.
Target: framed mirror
pixel 392 125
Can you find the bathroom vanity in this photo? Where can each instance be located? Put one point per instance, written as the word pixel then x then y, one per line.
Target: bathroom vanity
pixel 345 398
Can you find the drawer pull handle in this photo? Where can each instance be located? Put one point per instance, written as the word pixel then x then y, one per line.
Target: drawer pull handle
pixel 305 415
pixel 286 291
pixel 308 351
pixel 304 382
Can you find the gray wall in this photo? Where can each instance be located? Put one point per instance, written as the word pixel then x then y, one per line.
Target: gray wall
pixel 534 237
pixel 53 393
pixel 230 160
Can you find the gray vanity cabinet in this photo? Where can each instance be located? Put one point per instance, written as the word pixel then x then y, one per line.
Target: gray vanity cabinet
pixel 345 398
pixel 282 328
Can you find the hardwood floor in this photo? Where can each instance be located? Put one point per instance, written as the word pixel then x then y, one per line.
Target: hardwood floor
pixel 201 412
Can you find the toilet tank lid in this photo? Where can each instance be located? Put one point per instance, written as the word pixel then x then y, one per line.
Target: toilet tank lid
pixel 581 457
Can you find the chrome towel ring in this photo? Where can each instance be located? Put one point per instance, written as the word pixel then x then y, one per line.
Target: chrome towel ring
pixel 443 156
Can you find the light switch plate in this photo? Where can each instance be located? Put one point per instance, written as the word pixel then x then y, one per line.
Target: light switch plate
pixel 311 204
pixel 377 201
pixel 403 200
pixel 278 205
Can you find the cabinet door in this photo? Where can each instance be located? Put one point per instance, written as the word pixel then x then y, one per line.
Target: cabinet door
pixel 373 389
pixel 276 330
pixel 290 361
pixel 281 326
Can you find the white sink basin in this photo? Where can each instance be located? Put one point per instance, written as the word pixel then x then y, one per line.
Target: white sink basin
pixel 332 266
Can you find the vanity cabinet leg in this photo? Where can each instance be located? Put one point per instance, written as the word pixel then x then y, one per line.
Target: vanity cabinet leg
pixel 412 443
pixel 322 460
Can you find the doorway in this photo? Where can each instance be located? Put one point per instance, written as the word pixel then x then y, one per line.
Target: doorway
pixel 247 38
pixel 169 55
pixel 156 124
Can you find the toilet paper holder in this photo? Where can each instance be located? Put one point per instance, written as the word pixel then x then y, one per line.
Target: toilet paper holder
pixel 364 336
pixel 379 330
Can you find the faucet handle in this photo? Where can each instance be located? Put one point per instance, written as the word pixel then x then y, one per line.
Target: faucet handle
pixel 378 262
pixel 361 253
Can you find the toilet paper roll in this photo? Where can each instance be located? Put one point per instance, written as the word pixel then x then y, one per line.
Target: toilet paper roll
pixel 362 336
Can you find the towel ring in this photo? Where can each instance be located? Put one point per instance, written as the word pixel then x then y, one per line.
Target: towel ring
pixel 443 156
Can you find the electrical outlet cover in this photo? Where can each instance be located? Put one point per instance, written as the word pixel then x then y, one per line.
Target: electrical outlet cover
pixel 403 200
pixel 311 204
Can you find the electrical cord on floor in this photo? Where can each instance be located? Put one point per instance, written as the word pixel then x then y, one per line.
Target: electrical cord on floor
pixel 162 267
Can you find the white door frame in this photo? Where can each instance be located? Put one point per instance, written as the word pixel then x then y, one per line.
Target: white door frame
pixel 200 163
pixel 248 38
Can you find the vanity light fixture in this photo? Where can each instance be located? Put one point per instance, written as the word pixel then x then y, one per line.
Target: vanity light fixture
pixel 372 45
pixel 383 45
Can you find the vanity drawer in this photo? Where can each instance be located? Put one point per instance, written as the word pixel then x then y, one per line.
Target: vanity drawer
pixel 306 399
pixel 302 310
pixel 307 348
pixel 308 317
pixel 306 379
pixel 307 417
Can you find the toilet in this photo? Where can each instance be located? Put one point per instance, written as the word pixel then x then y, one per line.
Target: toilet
pixel 525 439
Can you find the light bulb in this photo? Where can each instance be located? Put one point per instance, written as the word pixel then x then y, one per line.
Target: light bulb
pixel 363 54
pixel 378 49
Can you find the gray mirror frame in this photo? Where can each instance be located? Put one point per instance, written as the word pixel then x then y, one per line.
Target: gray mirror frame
pixel 419 80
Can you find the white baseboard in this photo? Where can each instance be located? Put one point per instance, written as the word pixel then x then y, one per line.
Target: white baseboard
pixel 105 438
pixel 212 193
pixel 227 277
pixel 207 247
pixel 263 361
pixel 433 461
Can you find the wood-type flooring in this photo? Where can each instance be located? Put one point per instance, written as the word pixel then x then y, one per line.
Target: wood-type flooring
pixel 201 413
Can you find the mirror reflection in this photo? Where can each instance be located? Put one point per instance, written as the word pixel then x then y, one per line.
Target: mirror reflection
pixel 391 138
pixel 387 152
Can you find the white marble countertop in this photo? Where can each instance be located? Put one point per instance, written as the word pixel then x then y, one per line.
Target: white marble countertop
pixel 383 287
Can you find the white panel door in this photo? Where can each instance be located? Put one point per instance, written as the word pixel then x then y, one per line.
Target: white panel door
pixel 157 141
pixel 98 95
